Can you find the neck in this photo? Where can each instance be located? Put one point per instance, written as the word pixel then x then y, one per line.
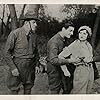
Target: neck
pixel 61 34
pixel 83 41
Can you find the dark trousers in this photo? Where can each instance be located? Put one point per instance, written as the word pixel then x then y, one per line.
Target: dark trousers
pixel 67 84
pixel 57 80
pixel 26 69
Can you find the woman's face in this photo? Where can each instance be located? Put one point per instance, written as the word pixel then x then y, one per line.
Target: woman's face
pixel 83 35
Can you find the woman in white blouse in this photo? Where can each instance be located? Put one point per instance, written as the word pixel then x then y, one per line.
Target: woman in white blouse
pixel 81 50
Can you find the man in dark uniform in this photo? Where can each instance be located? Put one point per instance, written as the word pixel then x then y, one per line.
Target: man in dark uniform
pixel 55 45
pixel 21 55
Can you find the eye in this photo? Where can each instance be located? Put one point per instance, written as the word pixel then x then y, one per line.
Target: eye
pixel 85 33
pixel 34 22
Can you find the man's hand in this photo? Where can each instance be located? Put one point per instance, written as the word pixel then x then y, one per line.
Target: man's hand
pixel 15 72
pixel 74 60
pixel 37 69
pixel 67 73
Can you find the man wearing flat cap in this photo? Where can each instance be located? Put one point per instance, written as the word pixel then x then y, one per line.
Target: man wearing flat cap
pixel 21 55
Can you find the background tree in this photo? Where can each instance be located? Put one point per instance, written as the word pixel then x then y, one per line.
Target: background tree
pixel 95 28
pixel 21 15
pixel 52 17
pixel 2 19
pixel 14 23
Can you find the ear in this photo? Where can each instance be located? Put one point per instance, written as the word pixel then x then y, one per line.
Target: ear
pixel 63 28
pixel 25 22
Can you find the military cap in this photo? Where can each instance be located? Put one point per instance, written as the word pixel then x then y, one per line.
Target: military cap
pixel 30 16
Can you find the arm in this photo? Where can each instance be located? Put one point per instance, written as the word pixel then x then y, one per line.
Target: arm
pixel 37 56
pixel 8 51
pixel 68 54
pixel 65 53
pixel 53 55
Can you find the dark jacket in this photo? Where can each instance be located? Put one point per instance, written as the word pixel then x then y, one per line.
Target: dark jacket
pixel 17 46
pixel 54 47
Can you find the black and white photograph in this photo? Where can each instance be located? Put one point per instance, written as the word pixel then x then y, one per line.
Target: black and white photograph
pixel 49 49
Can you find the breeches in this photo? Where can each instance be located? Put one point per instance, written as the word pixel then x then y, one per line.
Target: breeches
pixel 83 80
pixel 26 69
pixel 57 80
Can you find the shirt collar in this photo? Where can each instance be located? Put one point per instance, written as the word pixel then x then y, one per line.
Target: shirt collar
pixel 61 38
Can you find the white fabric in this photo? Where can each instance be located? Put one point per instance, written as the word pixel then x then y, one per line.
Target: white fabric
pixel 77 50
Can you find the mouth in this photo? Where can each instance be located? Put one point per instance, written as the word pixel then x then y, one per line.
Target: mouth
pixel 81 37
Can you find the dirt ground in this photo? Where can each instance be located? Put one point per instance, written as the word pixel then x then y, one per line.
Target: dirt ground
pixel 41 81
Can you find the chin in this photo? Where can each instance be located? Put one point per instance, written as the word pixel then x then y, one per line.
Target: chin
pixel 68 36
pixel 82 40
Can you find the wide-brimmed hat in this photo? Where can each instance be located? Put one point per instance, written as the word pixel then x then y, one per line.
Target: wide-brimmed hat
pixel 86 28
pixel 30 16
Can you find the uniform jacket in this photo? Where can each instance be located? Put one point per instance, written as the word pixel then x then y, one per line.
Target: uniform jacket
pixel 17 46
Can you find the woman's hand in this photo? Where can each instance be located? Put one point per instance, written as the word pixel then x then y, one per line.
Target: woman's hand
pixel 37 70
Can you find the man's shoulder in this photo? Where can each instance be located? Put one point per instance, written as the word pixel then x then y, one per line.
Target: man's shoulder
pixel 18 30
pixel 54 38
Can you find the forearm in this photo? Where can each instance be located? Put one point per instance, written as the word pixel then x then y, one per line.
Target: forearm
pixel 9 61
pixel 9 47
pixel 59 61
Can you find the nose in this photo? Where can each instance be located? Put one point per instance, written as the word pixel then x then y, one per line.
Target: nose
pixel 72 33
pixel 35 24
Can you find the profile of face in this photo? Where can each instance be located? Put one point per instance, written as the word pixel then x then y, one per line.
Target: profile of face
pixel 33 24
pixel 83 35
pixel 68 32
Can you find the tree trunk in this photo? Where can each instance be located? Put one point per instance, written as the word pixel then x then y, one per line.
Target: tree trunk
pixel 21 15
pixel 95 28
pixel 13 16
pixel 8 30
pixel 2 32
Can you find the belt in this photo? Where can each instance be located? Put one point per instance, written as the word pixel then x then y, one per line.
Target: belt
pixel 84 64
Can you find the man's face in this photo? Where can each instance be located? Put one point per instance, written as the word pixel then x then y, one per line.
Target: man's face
pixel 33 24
pixel 68 32
pixel 83 35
